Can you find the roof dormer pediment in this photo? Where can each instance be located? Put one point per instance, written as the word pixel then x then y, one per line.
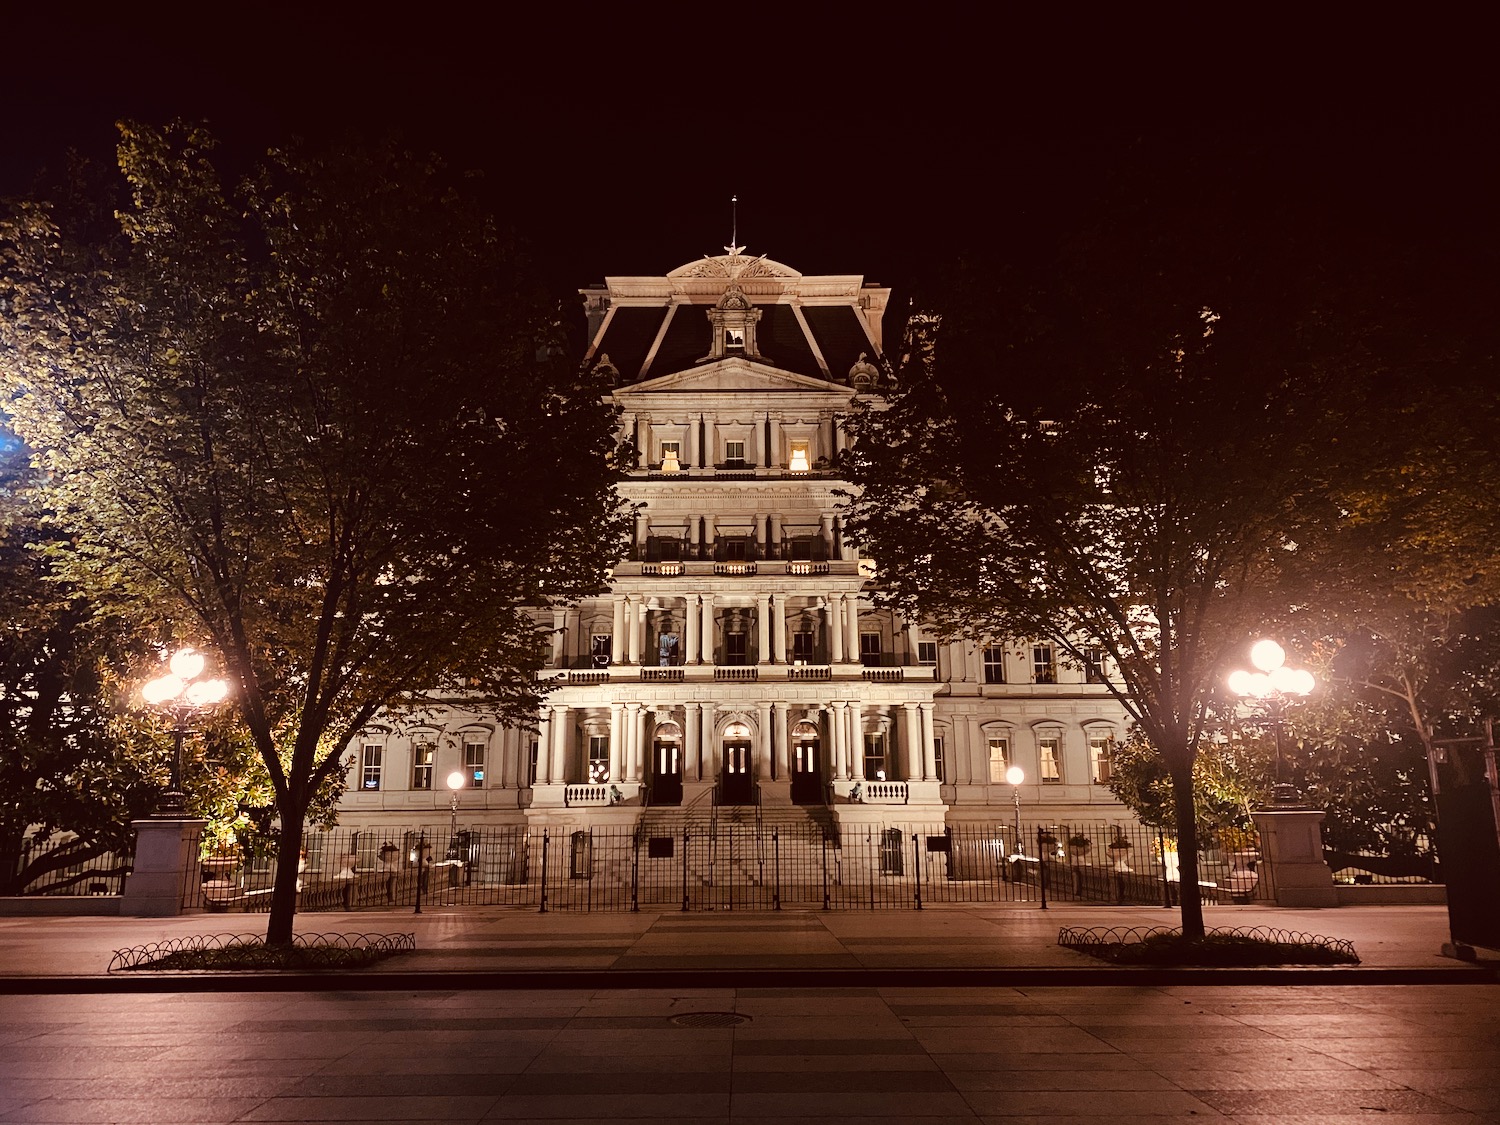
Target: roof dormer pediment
pixel 732 374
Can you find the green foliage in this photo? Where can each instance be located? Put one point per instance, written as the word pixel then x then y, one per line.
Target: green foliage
pixel 319 422
pixel 1230 777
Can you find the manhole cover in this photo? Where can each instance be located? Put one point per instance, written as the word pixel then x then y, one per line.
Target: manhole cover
pixel 709 1019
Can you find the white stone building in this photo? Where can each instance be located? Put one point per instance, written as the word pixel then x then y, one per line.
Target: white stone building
pixel 738 659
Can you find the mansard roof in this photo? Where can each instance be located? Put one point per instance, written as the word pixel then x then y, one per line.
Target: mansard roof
pixel 818 327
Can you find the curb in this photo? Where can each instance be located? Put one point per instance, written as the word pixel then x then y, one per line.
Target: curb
pixel 605 980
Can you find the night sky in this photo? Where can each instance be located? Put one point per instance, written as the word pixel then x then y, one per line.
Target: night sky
pixel 856 143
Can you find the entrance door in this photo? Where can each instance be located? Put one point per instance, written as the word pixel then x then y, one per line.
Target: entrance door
pixel 807 774
pixel 666 774
pixel 736 786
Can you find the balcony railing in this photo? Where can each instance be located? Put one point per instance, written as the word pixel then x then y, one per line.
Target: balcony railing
pixel 662 675
pixel 884 793
pixel 575 796
pixel 734 568
pixel 809 672
pixel 734 674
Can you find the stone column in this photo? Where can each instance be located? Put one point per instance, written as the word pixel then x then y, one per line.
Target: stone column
pixel 834 623
pixel 562 737
pixel 851 622
pixel 763 628
pixel 707 639
pixel 761 549
pixel 543 749
pixel 763 742
pixel 633 629
pixel 628 747
pixel 692 744
pixel 708 760
pixel 773 535
pixel 783 741
pixel 638 763
pixel 856 741
pixel 559 637
pixel 839 751
pixel 692 444
pixel 616 716
pixel 912 737
pixel 617 638
pixel 929 744
pixel 694 620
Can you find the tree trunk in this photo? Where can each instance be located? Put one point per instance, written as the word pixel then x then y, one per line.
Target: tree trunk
pixel 1188 897
pixel 284 891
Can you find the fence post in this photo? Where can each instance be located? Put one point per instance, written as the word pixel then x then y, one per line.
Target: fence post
pixel 916 859
pixel 1041 864
pixel 1166 887
pixel 686 836
pixel 635 874
pixel 825 869
pixel 873 868
pixel 421 871
pixel 546 837
pixel 776 861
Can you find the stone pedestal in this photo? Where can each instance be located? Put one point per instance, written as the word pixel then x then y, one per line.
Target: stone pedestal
pixel 1290 841
pixel 164 862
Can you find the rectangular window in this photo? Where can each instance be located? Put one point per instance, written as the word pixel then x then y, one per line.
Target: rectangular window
pixel 734 339
pixel 598 759
pixel 735 549
pixel 421 764
pixel 474 763
pixel 1093 665
pixel 927 653
pixel 798 462
pixel 734 452
pixel 1099 759
pixel 601 645
pixel 802 648
pixel 875 757
pixel 671 456
pixel 369 771
pixel 869 650
pixel 999 758
pixel 994 664
pixel 937 757
pixel 531 765
pixel 1050 753
pixel 1043 665
pixel 736 648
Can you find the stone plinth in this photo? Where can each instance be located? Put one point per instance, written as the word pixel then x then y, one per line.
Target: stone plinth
pixel 164 862
pixel 1291 841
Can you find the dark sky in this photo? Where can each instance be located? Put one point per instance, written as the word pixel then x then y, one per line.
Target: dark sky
pixel 856 143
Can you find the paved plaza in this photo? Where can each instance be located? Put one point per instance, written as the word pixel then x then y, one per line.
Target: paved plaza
pixel 474 1027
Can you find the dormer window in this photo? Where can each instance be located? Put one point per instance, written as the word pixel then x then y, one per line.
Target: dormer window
pixel 734 339
pixel 733 319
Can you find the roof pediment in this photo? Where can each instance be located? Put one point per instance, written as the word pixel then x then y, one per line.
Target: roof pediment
pixel 734 373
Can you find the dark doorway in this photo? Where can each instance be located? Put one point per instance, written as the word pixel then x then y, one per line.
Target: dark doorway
pixel 666 773
pixel 807 773
pixel 736 785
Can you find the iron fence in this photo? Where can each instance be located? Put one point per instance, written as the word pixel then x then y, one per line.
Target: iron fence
pixel 68 865
pixel 728 865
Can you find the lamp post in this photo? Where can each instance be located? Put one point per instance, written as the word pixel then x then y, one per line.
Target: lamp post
pixel 1014 776
pixel 181 695
pixel 456 781
pixel 1273 684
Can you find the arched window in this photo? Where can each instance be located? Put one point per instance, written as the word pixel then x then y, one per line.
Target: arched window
pixel 736 730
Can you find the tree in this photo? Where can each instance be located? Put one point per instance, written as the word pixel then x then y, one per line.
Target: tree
pixel 319 420
pixel 1127 468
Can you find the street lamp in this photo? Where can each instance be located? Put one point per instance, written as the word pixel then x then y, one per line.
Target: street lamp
pixel 181 695
pixel 456 781
pixel 1014 776
pixel 1273 684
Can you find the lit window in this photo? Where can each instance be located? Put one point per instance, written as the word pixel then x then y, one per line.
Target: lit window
pixel 598 759
pixel 927 653
pixel 799 462
pixel 1099 749
pixel 670 456
pixel 1043 665
pixel 734 339
pixel 421 764
pixel 875 757
pixel 474 763
pixel 994 664
pixel 999 758
pixel 369 773
pixel 1049 751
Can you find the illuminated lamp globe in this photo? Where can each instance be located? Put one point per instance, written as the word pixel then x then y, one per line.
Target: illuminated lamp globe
pixel 1302 682
pixel 1239 682
pixel 457 780
pixel 186 664
pixel 1267 655
pixel 205 693
pixel 1014 775
pixel 161 689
